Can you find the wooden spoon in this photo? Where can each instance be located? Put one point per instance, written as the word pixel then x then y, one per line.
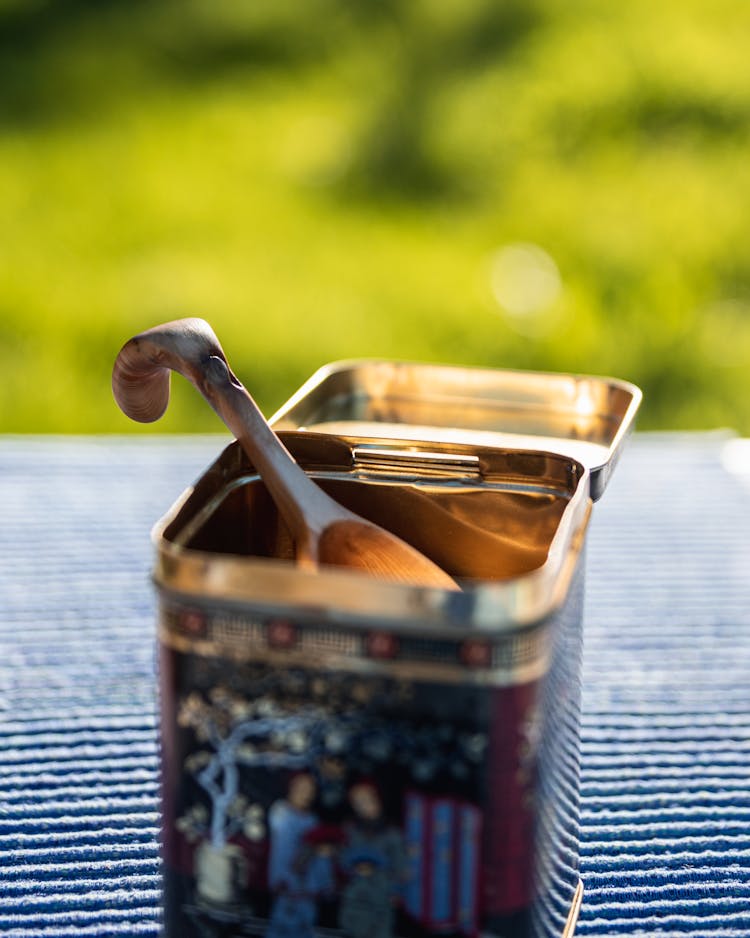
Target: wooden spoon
pixel 323 531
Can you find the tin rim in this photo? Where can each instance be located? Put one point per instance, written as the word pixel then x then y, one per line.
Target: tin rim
pixel 482 607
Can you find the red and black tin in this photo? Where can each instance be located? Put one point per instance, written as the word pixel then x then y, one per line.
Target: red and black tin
pixel 343 756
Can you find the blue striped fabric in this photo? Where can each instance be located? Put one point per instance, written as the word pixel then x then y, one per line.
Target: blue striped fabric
pixel 666 720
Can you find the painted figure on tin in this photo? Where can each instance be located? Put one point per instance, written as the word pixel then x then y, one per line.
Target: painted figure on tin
pixel 372 861
pixel 300 868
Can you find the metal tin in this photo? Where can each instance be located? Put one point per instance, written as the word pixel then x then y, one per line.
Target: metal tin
pixel 346 756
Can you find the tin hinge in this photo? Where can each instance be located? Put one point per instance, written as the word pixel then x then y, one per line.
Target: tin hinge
pixel 415 461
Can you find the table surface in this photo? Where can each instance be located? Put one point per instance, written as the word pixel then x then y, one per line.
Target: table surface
pixel 666 710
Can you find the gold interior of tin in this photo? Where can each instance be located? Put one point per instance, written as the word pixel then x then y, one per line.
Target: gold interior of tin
pixel 470 533
pixel 473 524
pixel 483 513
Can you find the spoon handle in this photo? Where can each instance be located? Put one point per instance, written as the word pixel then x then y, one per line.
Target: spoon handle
pixel 140 384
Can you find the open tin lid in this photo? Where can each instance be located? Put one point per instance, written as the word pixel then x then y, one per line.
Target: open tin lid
pixel 384 405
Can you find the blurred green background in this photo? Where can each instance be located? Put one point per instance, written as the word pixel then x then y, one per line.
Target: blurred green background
pixel 527 184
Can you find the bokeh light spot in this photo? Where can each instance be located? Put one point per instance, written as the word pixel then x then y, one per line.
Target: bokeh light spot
pixel 525 282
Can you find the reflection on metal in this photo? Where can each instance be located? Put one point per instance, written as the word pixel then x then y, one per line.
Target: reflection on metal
pixel 585 418
pixel 575 910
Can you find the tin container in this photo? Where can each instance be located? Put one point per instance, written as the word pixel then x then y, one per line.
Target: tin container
pixel 344 756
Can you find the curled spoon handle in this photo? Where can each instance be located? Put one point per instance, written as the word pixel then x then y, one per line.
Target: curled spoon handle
pixel 141 383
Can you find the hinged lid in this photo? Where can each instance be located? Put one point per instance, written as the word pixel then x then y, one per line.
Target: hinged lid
pixel 380 405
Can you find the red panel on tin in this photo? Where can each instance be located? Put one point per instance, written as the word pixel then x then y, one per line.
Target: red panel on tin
pixel 509 824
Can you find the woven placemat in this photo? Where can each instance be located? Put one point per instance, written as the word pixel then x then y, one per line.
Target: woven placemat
pixel 666 725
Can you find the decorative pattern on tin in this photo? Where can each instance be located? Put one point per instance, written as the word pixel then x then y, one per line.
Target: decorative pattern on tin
pixel 498 659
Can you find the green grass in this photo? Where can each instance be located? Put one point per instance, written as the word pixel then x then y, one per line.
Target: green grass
pixel 328 180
